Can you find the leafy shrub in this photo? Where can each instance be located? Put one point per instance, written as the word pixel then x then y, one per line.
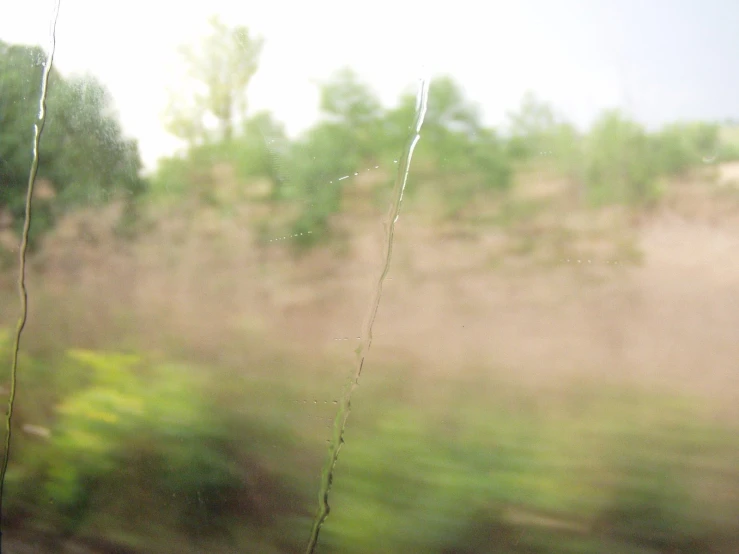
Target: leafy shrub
pixel 729 142
pixel 458 158
pixel 84 157
pixel 682 146
pixel 259 150
pixel 320 160
pixel 620 165
pixel 130 410
pixel 91 432
pixel 403 488
pixel 190 447
pixel 474 474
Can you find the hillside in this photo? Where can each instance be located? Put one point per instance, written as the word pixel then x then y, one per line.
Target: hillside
pixel 537 288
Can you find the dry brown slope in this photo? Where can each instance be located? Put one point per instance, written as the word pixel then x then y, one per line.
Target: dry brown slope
pixel 451 301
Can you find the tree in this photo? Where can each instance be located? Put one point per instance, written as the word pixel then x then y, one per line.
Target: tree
pixel 223 67
pixel 349 137
pixel 101 162
pixel 456 143
pixel 620 165
pixel 264 149
pixel 355 112
pixel 82 153
pixel 449 111
pixel 535 130
pixel 681 146
pixel 21 70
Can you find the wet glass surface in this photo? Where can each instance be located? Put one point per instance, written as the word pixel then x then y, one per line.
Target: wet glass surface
pixel 369 278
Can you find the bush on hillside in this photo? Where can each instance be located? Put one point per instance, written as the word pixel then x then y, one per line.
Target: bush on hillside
pixel 620 163
pixel 682 146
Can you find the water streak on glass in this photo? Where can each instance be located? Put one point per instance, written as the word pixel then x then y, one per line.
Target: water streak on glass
pixel 344 410
pixel 38 128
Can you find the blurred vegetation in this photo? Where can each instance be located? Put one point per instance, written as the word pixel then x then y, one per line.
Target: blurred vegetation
pixel 138 446
pixel 154 453
pixel 223 66
pixel 459 163
pixel 84 157
pixel 129 438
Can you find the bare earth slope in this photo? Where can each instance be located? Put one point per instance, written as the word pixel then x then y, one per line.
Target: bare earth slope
pixel 452 302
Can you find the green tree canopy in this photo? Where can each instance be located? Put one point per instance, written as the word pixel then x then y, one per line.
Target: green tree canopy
pixel 355 112
pixel 223 66
pixel 455 143
pixel 535 131
pixel 681 146
pixel 83 152
pixel 620 165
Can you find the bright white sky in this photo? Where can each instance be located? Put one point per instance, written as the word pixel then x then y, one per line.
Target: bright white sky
pixel 662 60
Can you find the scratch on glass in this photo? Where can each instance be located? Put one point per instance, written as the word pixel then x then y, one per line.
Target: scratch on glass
pixel 38 128
pixel 344 409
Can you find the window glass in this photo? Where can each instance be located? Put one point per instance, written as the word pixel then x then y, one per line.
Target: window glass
pixel 378 277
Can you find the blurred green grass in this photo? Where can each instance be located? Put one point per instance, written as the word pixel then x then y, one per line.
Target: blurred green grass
pixel 143 447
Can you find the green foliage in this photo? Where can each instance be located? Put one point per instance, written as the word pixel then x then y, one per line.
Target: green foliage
pixel 224 66
pixel 729 142
pixel 260 150
pixel 128 412
pixel 451 127
pixel 324 155
pixel 85 140
pixel 682 146
pixel 83 155
pixel 467 465
pixel 539 137
pixel 264 152
pixel 457 153
pixel 91 432
pixel 460 161
pixel 356 112
pixel 619 162
pixel 532 129
pixel 349 138
pixel 500 471
pixel 21 69
pixel 405 487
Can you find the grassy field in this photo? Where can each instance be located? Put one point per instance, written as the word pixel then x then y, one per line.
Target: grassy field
pixel 464 463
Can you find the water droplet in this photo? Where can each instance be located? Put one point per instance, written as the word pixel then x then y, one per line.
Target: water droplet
pixel 340 424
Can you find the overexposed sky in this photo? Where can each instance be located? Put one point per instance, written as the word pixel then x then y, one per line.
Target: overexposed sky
pixel 660 59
